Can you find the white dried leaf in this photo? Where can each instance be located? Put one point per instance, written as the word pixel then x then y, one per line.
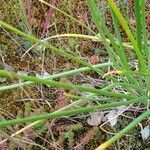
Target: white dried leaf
pixel 95 118
pixel 23 72
pixel 111 117
pixel 42 74
pixel 145 132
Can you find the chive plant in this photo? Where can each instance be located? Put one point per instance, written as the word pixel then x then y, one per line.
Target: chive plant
pixel 134 82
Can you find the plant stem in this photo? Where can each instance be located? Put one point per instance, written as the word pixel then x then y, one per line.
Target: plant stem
pixel 55 76
pixel 56 50
pixel 36 80
pixel 124 131
pixel 142 65
pixel 69 112
pixel 94 38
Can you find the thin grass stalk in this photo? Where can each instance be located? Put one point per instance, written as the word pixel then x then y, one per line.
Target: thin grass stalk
pixel 48 19
pixel 146 49
pixel 138 17
pixel 141 62
pixel 95 15
pixel 28 5
pixel 25 18
pixel 69 16
pixel 108 34
pixel 94 38
pixel 138 23
pixel 55 76
pixel 128 86
pixel 6 123
pixel 124 131
pixel 89 98
pixel 144 31
pixel 121 49
pixel 56 50
pixel 36 80
pixel 122 54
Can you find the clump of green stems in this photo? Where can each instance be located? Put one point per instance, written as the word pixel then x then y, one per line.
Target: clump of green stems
pixel 137 81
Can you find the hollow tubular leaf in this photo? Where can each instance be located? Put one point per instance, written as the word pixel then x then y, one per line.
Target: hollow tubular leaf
pixel 55 76
pixel 5 123
pixel 142 65
pixel 36 80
